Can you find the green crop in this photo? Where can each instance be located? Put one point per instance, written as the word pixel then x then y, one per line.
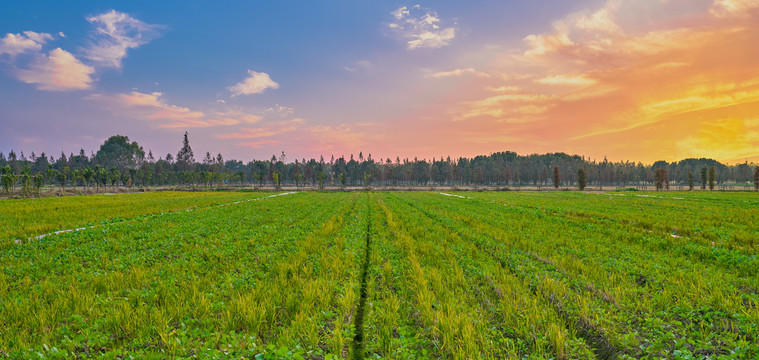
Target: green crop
pixel 26 217
pixel 387 275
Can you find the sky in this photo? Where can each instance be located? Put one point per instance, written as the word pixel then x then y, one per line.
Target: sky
pixel 638 80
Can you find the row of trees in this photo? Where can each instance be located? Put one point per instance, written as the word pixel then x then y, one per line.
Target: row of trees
pixel 121 162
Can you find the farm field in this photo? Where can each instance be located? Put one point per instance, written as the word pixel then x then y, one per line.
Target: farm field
pixel 26 217
pixel 428 275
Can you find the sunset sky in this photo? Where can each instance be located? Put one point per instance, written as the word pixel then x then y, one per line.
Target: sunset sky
pixel 639 80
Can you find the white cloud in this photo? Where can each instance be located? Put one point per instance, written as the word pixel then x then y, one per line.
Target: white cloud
pixel 256 83
pixel 422 31
pixel 281 110
pixel 400 13
pixel 458 73
pixel 115 33
pixel 57 71
pixel 14 44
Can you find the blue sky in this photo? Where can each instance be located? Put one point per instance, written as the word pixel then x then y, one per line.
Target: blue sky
pixel 250 79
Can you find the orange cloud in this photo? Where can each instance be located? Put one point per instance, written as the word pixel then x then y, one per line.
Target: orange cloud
pixel 733 139
pixel 259 144
pixel 327 139
pixel 733 8
pixel 601 78
pixel 458 73
pixel 265 135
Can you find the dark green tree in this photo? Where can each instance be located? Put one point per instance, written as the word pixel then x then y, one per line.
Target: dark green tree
pixel 26 180
pixel 582 179
pixel 277 180
pixel 756 178
pixel 703 177
pixel 185 157
pixel 114 176
pixel 9 178
pixel 556 177
pixel 712 177
pixel 88 174
pixel 60 176
pixel 101 176
pixel 661 179
pixel 322 176
pixel 118 152
pixel 690 179
pixel 38 180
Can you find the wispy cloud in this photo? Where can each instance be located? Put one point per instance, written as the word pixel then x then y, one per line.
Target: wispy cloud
pixel 28 41
pixel 115 33
pixel 238 116
pixel 281 110
pixel 266 134
pixel 729 139
pixel 329 138
pixel 259 144
pixel 459 73
pixel 363 65
pixel 151 106
pixel 573 80
pixel 57 71
pixel 154 108
pixel 255 83
pixel 420 28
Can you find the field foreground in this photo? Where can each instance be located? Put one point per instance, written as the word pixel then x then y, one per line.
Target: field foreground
pixel 382 275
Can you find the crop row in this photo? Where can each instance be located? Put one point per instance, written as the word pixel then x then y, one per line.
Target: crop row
pixel 627 292
pixel 397 276
pixel 218 281
pixel 29 217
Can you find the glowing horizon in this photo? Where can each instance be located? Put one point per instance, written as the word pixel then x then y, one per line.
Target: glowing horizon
pixel 638 80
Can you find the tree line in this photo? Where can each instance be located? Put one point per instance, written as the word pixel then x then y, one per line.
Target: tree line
pixel 120 162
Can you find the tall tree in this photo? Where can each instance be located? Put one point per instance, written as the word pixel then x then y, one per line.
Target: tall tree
pixel 660 178
pixel 208 160
pixel 703 178
pixel 88 174
pixel 26 179
pixel 690 179
pixel 712 176
pixel 582 179
pixel 61 176
pixel 185 158
pixel 37 181
pixel 9 178
pixel 756 178
pixel 556 177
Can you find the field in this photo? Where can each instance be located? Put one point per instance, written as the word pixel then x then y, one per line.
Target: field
pixel 407 275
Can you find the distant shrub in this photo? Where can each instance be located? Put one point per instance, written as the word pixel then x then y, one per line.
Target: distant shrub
pixel 627 189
